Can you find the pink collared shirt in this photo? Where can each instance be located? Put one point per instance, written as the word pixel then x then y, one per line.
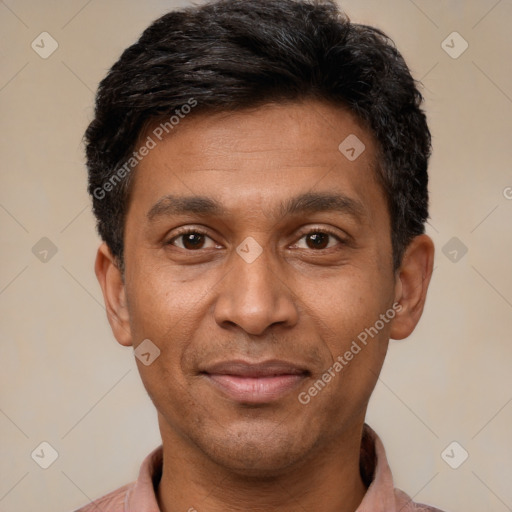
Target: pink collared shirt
pixel 381 496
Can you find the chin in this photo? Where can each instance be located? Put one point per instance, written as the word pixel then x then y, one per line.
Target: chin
pixel 253 451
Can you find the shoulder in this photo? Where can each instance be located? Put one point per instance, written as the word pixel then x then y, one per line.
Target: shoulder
pixel 112 502
pixel 405 504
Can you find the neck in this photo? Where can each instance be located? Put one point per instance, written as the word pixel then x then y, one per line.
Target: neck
pixel 330 481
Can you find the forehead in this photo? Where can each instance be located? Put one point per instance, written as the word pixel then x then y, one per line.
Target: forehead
pixel 295 129
pixel 259 157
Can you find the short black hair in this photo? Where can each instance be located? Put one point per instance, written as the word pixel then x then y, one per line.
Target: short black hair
pixel 228 55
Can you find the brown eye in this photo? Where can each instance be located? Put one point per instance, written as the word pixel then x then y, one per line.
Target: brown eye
pixel 318 239
pixel 190 240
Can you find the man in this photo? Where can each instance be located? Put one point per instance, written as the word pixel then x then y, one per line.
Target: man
pixel 258 170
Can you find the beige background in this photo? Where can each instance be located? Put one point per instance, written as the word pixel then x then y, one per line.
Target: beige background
pixel 66 381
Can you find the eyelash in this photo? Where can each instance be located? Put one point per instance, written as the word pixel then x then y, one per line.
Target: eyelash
pixel 187 231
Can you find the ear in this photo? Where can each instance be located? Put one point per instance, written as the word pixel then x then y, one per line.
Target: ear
pixel 113 288
pixel 412 280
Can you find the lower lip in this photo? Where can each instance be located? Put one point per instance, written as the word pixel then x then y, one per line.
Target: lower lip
pixel 257 390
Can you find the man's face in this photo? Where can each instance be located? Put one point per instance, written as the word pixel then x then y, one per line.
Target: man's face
pixel 244 334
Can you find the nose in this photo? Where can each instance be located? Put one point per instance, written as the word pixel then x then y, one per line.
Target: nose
pixel 253 296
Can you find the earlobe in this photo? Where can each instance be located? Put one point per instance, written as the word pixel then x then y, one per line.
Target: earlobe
pixel 114 294
pixel 412 283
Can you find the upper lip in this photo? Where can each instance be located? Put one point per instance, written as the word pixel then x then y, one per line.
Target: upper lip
pixel 241 368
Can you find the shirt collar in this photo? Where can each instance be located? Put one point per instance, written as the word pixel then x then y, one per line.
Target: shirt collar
pixel 376 474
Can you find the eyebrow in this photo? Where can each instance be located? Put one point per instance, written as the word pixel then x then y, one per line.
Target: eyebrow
pixel 178 205
pixel 309 202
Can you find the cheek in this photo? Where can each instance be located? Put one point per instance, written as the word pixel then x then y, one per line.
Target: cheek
pixel 349 301
pixel 161 302
pixel 160 312
pixel 348 321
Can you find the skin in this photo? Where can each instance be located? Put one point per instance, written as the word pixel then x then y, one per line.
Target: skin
pixel 298 301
